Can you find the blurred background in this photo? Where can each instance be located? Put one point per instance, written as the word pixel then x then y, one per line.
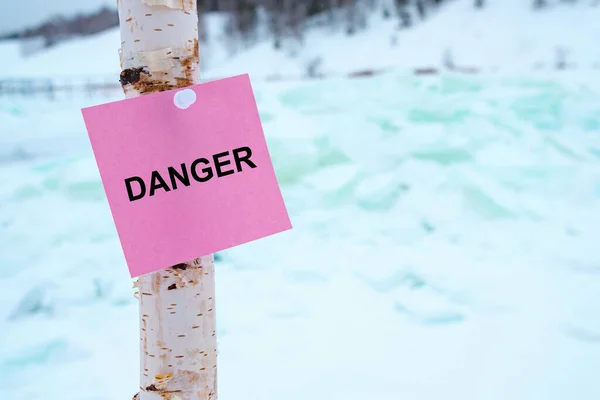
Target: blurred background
pixel 440 160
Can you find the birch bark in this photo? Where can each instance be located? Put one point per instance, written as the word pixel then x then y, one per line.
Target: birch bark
pixel 178 345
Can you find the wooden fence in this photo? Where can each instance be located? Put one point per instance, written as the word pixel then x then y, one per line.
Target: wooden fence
pixel 53 88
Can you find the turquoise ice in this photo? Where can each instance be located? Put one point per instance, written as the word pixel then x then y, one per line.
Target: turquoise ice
pixel 444 246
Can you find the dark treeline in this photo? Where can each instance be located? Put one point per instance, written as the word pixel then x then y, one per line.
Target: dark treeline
pixel 281 18
pixel 287 18
pixel 60 28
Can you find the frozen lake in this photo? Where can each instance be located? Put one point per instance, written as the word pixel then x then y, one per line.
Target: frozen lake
pixel 443 247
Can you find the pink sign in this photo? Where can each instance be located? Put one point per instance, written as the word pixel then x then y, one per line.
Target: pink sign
pixel 186 182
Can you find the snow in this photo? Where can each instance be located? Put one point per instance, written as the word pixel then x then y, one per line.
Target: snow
pixel 444 246
pixel 507 36
pixel 504 36
pixel 10 50
pixel 94 57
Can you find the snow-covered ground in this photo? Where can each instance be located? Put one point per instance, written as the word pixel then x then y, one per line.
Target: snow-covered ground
pixel 444 247
pixel 506 35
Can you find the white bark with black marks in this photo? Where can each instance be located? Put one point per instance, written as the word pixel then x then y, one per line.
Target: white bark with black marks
pixel 178 344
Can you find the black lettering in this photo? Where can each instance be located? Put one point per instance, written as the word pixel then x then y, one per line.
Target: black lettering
pixel 245 158
pixel 173 173
pixel 158 183
pixel 207 170
pixel 133 197
pixel 179 177
pixel 219 164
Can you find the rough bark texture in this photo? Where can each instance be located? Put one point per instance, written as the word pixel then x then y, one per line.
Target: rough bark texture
pixel 159 45
pixel 178 339
pixel 178 345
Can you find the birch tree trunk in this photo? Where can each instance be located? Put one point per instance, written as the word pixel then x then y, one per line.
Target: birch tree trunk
pixel 178 345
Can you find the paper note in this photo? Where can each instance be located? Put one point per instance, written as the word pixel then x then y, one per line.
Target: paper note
pixel 186 182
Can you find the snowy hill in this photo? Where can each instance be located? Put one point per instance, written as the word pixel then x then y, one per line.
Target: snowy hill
pixel 505 35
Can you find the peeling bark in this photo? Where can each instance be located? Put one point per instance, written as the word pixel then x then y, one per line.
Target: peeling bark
pixel 178 345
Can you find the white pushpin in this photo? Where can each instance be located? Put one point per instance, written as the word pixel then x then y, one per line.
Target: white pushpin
pixel 185 98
